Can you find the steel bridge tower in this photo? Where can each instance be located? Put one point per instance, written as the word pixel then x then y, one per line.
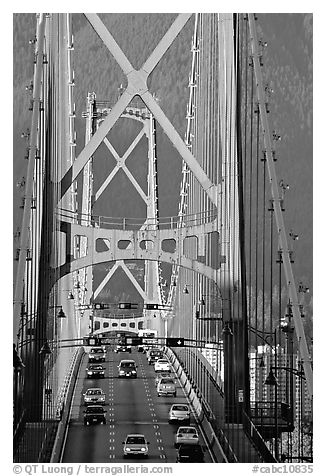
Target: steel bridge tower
pixel 95 114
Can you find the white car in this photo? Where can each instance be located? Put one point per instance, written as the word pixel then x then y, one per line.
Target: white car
pixel 162 365
pixel 94 395
pixel 166 386
pixel 161 375
pixel 135 445
pixel 186 434
pixel 179 412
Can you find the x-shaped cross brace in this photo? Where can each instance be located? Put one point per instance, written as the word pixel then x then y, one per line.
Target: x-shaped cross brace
pixel 122 165
pixel 137 85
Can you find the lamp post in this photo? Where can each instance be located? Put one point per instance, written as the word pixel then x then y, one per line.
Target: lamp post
pixel 202 302
pixel 61 314
pixel 70 294
pixel 271 379
pixel 18 368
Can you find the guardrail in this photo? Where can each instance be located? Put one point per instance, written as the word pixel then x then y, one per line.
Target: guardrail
pixel 249 427
pixel 65 408
pixel 203 413
pixel 257 440
pixel 123 223
pixel 19 429
pixel 65 386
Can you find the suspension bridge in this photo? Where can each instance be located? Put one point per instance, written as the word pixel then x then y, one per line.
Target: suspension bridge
pixel 213 282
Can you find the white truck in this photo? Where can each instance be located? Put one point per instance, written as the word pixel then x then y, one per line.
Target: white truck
pixel 149 339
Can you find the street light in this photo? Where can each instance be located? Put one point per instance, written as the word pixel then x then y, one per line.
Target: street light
pixel 61 314
pixel 70 293
pixel 296 372
pixel 271 379
pixel 202 301
pixel 45 349
pixel 18 367
pixel 261 359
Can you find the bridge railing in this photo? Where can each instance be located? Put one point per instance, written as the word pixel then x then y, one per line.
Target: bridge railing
pixel 123 223
pixel 257 439
pixel 65 409
pixel 213 405
pixel 62 396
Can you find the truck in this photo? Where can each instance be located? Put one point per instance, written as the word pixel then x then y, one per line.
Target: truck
pixel 149 339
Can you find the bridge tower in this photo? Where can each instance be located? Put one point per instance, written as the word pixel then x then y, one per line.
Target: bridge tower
pixel 150 292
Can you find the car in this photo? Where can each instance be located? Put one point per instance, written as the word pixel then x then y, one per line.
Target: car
pixel 190 453
pixel 123 348
pixel 153 349
pixel 154 355
pixel 135 444
pixel 166 386
pixel 127 368
pixel 186 434
pixel 162 365
pixel 95 371
pixel 161 375
pixel 179 412
pixel 96 354
pixel 142 348
pixel 94 395
pixel 94 414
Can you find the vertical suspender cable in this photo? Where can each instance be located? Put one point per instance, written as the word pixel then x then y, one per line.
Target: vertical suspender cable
pixel 30 172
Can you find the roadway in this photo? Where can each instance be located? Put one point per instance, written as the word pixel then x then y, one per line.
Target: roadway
pixel 132 407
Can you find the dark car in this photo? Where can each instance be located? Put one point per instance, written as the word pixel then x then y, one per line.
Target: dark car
pixel 123 348
pixel 94 414
pixel 95 371
pixel 190 453
pixel 96 354
pixel 154 355
pixel 127 368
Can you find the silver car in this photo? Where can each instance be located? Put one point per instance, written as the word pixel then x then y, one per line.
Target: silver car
pixel 161 375
pixel 94 395
pixel 186 434
pixel 162 365
pixel 179 412
pixel 135 444
pixel 166 386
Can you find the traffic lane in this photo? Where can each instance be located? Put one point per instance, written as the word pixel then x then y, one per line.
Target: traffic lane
pixel 162 408
pixel 94 443
pixel 86 444
pixel 128 410
pixel 134 412
pixel 132 406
